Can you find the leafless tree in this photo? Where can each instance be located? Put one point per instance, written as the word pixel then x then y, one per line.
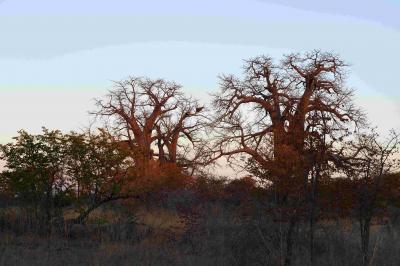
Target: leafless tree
pixel 150 113
pixel 275 113
pixel 370 160
pixel 269 114
pixel 180 132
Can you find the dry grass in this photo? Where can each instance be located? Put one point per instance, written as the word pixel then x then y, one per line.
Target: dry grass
pixel 158 236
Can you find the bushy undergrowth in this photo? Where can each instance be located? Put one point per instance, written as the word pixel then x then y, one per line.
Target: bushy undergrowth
pixel 213 224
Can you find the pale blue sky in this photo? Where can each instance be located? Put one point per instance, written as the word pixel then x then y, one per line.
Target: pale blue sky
pixel 56 55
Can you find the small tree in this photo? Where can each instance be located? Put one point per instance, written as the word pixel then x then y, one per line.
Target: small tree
pixel 371 162
pixel 98 167
pixel 35 171
pixel 44 170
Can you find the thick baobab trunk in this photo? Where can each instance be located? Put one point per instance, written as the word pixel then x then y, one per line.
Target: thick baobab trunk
pixel 279 142
pixel 172 148
pixel 280 170
pixel 161 153
pixel 292 175
pixel 173 151
pixel 143 163
pixel 160 145
pixel 142 154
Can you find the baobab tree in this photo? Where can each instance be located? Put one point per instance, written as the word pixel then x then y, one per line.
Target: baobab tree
pixel 149 113
pixel 181 134
pixel 273 111
pixel 278 112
